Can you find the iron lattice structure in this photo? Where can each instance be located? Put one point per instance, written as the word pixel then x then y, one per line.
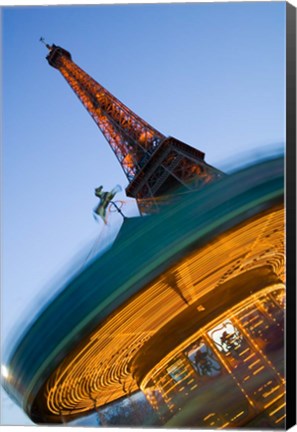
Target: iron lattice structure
pixel 154 165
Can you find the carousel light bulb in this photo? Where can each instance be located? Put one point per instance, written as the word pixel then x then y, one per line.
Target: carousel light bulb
pixel 4 371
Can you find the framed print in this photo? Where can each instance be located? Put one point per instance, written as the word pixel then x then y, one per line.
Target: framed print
pixel 149 215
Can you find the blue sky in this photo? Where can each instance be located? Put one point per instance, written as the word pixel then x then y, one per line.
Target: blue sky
pixel 212 75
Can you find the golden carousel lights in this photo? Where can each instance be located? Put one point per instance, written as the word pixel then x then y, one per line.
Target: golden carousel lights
pixel 221 271
pixel 103 365
pixel 229 344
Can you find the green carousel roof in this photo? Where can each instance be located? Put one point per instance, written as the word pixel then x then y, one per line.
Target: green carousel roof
pixel 144 249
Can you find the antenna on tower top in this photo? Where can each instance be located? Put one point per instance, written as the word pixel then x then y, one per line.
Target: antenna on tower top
pixel 42 40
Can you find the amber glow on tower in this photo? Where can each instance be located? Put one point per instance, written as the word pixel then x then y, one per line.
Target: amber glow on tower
pixel 129 136
pixel 155 165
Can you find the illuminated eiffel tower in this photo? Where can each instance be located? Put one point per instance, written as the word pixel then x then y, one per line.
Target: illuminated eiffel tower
pixel 155 165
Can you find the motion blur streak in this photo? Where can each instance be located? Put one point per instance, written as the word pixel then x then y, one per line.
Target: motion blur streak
pixel 165 278
pixel 101 367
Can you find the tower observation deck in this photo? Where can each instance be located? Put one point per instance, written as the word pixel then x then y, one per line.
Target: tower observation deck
pixel 187 305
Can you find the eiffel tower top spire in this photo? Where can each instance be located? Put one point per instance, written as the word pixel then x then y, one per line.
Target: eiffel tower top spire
pixel 42 40
pixel 154 164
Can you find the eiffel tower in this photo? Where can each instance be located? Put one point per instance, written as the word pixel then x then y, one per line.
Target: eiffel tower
pixel 155 166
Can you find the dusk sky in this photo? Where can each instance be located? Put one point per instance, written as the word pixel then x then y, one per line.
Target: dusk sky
pixel 211 75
